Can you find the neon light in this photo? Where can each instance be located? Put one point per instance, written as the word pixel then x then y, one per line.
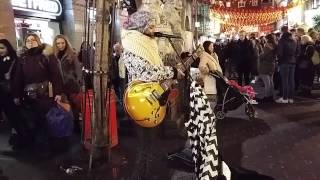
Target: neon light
pixel 49 7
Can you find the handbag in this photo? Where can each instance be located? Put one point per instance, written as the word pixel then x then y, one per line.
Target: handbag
pixel 315 58
pixel 60 121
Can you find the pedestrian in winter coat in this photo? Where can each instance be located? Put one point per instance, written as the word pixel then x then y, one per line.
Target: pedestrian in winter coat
pixel 118 72
pixel 267 62
pixel 69 64
pixel 314 35
pixel 209 63
pixel 70 69
pixel 305 67
pixel 287 52
pixel 231 53
pixel 219 50
pixel 35 71
pixel 244 61
pixel 86 58
pixel 8 58
pixel 254 58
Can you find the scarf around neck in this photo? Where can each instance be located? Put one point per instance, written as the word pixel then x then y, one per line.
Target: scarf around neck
pixel 141 45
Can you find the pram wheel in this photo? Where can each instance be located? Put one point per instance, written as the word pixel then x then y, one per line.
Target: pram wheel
pixel 250 112
pixel 220 115
pixel 218 112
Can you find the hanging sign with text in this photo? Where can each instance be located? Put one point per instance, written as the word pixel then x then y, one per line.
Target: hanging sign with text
pixel 48 7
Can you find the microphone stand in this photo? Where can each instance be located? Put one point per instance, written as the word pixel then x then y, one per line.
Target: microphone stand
pixel 188 78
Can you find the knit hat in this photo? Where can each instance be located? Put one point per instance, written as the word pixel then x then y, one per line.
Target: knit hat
pixel 139 21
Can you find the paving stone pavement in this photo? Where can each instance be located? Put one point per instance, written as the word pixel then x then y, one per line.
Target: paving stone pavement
pixel 283 142
pixel 285 145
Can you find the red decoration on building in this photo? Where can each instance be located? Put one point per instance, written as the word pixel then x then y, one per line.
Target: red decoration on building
pixel 267 28
pixel 248 16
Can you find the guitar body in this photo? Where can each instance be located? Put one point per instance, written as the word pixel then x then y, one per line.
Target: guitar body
pixel 141 101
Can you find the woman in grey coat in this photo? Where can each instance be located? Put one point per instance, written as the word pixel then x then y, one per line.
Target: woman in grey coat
pixel 267 66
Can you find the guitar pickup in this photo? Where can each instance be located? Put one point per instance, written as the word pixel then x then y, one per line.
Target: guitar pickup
pixel 155 94
pixel 164 98
pixel 150 101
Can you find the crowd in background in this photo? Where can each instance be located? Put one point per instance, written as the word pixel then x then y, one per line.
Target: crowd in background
pixel 287 61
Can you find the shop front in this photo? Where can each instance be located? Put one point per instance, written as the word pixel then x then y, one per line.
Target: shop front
pixel 42 17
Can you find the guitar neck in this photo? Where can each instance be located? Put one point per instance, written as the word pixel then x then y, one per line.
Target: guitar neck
pixel 167 84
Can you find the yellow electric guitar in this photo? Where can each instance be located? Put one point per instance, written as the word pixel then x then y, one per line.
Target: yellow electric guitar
pixel 145 102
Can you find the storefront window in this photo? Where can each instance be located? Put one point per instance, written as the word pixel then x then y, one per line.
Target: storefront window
pixel 46 30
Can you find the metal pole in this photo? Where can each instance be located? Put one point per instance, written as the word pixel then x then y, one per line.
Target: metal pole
pixel 196 20
pixel 100 125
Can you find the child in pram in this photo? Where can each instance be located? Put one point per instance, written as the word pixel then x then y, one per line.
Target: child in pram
pixel 230 96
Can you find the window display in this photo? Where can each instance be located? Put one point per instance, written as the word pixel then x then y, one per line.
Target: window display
pixel 46 30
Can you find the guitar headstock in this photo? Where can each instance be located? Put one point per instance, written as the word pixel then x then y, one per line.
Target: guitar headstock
pixel 199 50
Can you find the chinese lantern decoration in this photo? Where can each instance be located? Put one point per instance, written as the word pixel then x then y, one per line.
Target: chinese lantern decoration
pixel 253 16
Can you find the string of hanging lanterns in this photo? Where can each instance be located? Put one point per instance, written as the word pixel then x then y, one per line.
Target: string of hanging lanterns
pixel 261 28
pixel 231 16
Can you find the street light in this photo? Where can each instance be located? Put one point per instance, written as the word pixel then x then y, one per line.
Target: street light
pixel 197 24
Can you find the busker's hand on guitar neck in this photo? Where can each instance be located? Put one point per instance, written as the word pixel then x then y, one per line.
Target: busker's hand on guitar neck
pixel 181 69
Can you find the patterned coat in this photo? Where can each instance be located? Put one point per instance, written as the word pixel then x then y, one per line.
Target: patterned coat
pixel 142 70
pixel 201 129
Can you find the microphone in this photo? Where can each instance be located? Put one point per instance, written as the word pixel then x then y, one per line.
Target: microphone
pixel 160 34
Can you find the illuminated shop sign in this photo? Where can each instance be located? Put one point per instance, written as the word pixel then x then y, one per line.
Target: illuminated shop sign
pixel 49 7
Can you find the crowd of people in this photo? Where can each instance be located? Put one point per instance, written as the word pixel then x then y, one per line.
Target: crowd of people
pixel 287 61
pixel 42 77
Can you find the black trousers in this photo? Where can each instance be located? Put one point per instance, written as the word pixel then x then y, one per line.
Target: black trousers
pixel 11 112
pixel 145 152
pixel 34 115
pixel 119 88
pixel 243 72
